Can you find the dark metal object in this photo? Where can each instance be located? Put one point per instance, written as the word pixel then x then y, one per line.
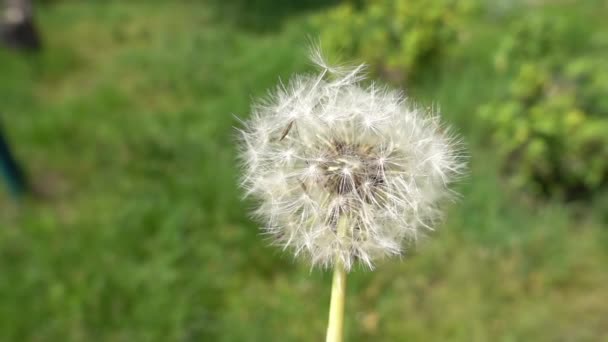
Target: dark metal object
pixel 17 28
pixel 10 169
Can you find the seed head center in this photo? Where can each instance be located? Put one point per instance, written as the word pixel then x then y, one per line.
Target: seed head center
pixel 349 167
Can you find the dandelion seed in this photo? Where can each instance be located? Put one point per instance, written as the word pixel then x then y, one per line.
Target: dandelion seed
pixel 325 147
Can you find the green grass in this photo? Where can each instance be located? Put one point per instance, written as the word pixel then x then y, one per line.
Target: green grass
pixel 126 122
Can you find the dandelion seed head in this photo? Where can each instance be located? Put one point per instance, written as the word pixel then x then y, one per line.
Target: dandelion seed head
pixel 324 147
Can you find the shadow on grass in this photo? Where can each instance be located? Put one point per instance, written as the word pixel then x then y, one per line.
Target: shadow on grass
pixel 265 15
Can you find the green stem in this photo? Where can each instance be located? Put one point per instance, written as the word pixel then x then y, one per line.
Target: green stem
pixel 335 326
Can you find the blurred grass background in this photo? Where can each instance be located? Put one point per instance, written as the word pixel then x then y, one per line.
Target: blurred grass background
pixel 125 121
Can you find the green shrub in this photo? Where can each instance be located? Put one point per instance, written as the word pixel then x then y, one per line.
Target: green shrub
pixel 398 38
pixel 538 36
pixel 552 126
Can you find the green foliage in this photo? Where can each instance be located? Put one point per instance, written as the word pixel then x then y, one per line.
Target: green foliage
pixel 397 38
pixel 537 36
pixel 552 126
pixel 264 15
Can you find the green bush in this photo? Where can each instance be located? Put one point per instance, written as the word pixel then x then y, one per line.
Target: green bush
pixel 538 36
pixel 398 38
pixel 551 128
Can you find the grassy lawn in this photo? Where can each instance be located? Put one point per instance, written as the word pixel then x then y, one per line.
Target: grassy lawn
pixel 125 123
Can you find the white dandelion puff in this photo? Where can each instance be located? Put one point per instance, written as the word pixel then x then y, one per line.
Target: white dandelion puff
pixel 324 147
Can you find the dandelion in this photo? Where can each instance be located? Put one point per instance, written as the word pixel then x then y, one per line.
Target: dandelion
pixel 345 173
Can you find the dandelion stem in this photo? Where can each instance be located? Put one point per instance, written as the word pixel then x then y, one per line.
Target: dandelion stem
pixel 335 326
